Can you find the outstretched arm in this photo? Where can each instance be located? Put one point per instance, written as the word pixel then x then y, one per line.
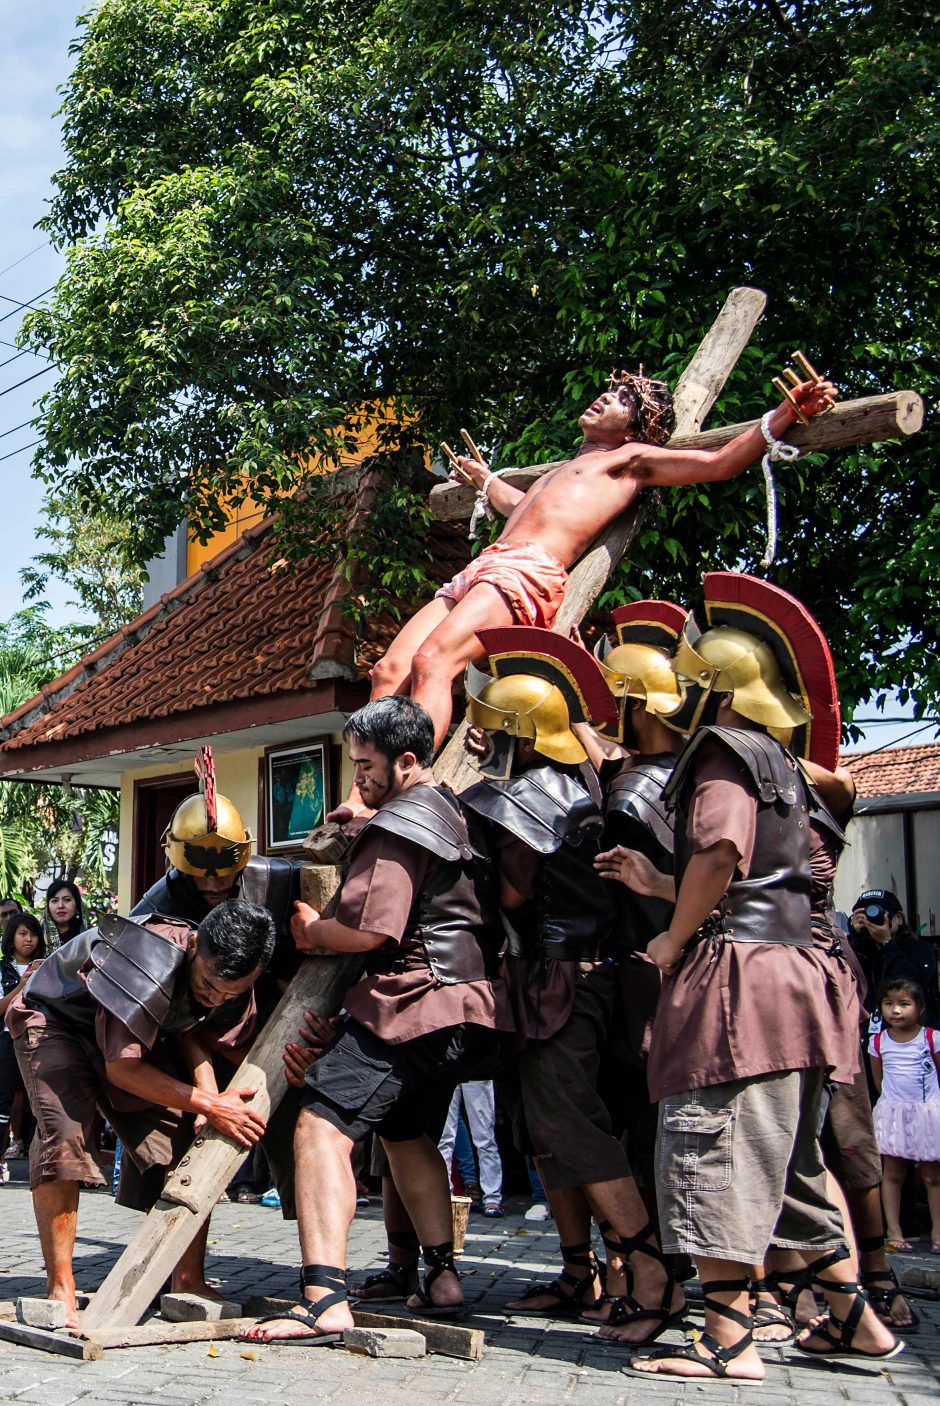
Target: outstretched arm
pixel 500 495
pixel 666 468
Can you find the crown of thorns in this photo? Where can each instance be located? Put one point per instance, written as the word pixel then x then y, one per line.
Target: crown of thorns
pixel 656 419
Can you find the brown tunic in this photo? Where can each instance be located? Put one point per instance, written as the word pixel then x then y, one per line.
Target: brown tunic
pixel 746 1008
pixel 384 880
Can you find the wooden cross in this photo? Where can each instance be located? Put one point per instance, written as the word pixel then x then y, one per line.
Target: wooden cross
pixel 195 1186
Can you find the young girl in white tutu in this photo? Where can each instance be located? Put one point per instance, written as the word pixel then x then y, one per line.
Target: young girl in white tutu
pixel 905 1060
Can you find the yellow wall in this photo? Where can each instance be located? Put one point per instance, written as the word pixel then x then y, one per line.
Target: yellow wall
pixel 250 512
pixel 236 775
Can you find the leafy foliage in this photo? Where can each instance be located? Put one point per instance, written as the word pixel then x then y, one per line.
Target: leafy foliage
pixel 44 829
pixel 91 552
pixel 466 211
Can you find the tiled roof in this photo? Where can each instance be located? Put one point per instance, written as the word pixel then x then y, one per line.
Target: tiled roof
pixel 896 770
pixel 245 624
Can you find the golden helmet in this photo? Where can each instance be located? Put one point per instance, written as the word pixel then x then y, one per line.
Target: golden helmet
pixel 523 705
pixel 640 671
pixel 193 848
pixel 728 660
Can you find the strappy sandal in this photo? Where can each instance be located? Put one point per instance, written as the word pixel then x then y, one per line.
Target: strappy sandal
pixel 846 1328
pixel 788 1284
pixel 624 1308
pixel 312 1276
pixel 770 1315
pixel 438 1259
pixel 400 1274
pixel 881 1296
pixel 716 1363
pixel 568 1291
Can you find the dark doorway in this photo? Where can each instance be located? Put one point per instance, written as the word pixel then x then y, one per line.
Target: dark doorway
pixel 155 800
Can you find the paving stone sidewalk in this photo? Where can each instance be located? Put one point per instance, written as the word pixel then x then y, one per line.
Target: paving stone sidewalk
pixel 528 1362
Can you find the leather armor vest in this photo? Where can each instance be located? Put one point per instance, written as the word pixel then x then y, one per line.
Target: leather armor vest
pixel 268 880
pixel 134 972
pixel 637 816
pixel 773 903
pixel 453 925
pixel 571 914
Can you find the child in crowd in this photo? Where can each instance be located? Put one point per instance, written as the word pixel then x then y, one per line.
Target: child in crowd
pixel 905 1062
pixel 22 948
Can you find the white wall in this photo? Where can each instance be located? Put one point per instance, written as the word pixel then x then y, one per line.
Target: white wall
pixel 875 858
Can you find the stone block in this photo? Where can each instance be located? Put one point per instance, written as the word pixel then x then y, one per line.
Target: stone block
pixel 41 1313
pixel 190 1308
pixel 385 1342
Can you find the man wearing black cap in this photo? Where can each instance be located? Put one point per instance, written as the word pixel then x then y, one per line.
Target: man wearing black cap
pixel 887 948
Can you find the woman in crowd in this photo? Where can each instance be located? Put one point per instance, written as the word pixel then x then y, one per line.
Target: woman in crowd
pixel 65 917
pixel 23 948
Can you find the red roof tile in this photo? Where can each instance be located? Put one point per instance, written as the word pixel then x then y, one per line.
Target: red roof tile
pixel 245 624
pixel 896 770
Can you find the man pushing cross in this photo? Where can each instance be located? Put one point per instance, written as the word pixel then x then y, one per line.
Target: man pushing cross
pixel 521 578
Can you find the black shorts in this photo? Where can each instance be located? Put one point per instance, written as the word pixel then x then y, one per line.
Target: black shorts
pixel 361 1084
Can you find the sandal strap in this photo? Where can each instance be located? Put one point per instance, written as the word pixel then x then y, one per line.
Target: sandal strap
pixel 726 1286
pixel 404 1240
pixel 323 1276
pixel 761 1286
pixel 835 1256
pixel 870 1244
pixel 438 1259
pixel 395 1274
pixel 581 1254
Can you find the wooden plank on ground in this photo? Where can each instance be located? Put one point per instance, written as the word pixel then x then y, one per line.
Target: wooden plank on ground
pixel 158 1330
pixel 448 1339
pixel 57 1340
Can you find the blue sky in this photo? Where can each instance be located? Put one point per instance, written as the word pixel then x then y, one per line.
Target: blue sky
pixel 34 62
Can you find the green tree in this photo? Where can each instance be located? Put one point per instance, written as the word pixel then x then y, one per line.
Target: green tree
pixel 276 214
pixel 91 553
pixel 44 828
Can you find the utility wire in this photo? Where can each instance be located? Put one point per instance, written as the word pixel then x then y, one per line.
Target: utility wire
pixel 24 257
pixel 19 306
pixel 44 372
pixel 886 745
pixel 25 352
pixel 22 449
pixel 14 347
pixel 17 427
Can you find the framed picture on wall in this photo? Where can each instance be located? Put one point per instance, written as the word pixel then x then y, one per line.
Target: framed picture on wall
pixel 295 794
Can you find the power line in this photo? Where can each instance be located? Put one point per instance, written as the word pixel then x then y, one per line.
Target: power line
pixel 24 257
pixel 886 745
pixel 19 306
pixel 25 352
pixel 14 347
pixel 17 427
pixel 22 449
pixel 44 372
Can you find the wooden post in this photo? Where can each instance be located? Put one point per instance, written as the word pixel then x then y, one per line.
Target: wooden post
pixel 697 390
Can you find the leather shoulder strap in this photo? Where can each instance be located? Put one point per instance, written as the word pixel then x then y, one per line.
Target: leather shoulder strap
pixel 771 768
pixel 637 790
pixel 134 974
pixel 542 807
pixel 819 813
pixel 427 816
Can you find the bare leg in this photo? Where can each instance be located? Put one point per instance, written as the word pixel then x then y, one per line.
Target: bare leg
pixel 451 646
pixel 403 1245
pixel 392 673
pixel 189 1276
pixel 572 1216
pixel 55 1204
pixel 778 1328
pixel 747 1366
pixel 868 1224
pixel 620 1203
pixel 326 1205
pixel 871 1335
pixel 930 1171
pixel 895 1170
pixel 421 1177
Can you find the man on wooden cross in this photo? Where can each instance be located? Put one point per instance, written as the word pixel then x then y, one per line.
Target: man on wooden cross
pixel 520 580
